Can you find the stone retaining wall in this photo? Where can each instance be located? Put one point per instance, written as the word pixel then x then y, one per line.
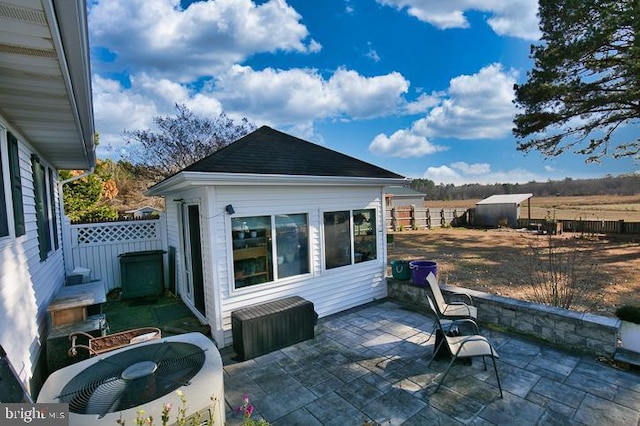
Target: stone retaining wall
pixel 574 330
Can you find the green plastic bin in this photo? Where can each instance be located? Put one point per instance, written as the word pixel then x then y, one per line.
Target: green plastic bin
pixel 141 273
pixel 400 270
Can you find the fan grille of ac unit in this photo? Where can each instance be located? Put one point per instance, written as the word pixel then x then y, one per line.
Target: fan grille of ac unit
pixel 100 389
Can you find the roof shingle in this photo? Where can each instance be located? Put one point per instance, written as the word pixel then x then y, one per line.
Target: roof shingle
pixel 268 151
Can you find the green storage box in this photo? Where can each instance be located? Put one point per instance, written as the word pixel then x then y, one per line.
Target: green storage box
pixel 141 273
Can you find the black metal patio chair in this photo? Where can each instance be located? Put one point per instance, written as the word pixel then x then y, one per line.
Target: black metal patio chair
pixel 464 347
pixel 454 309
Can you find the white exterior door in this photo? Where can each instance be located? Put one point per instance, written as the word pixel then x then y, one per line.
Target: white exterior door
pixel 192 249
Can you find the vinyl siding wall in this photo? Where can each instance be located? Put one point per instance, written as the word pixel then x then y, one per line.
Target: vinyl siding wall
pixel 27 284
pixel 331 291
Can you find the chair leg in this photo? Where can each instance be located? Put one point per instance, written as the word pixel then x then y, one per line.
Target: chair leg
pixel 484 361
pixel 435 352
pixel 433 329
pixel 497 377
pixel 445 373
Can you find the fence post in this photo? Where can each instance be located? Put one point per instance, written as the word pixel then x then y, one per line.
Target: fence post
pixel 412 222
pixel 394 220
pixel 621 226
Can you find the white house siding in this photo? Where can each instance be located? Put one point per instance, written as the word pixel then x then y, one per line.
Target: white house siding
pixel 331 291
pixel 26 284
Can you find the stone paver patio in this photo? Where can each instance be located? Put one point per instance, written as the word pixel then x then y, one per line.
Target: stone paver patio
pixel 370 364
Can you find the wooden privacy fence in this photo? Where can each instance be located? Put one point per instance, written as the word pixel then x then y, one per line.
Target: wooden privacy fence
pixel 417 218
pixel 97 245
pixel 586 226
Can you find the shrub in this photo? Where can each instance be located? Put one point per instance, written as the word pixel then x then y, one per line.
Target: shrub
pixel 563 276
pixel 629 313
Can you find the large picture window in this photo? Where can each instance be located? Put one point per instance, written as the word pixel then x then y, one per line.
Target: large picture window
pixel 267 248
pixel 349 237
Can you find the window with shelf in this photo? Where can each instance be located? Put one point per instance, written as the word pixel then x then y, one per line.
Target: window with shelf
pixel 347 232
pixel 266 248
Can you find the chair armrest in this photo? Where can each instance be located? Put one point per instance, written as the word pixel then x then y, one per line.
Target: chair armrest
pixel 463 295
pixel 444 313
pixel 469 320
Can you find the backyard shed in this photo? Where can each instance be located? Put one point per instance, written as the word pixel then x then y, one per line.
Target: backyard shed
pixel 398 196
pixel 272 216
pixel 497 209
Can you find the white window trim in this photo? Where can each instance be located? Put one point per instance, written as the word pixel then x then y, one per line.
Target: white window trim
pixel 6 185
pixel 323 266
pixel 276 281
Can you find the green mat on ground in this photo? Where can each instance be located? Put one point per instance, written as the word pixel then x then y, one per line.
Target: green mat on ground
pixel 171 312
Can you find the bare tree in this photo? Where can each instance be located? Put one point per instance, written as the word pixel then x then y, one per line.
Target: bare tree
pixel 562 276
pixel 183 139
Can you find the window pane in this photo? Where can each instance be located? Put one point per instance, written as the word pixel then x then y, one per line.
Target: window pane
pixel 364 235
pixel 4 225
pixel 337 239
pixel 54 221
pixel 42 207
pixel 292 244
pixel 252 258
pixel 16 185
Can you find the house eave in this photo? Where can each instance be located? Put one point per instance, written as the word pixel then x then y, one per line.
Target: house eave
pixel 45 80
pixel 184 180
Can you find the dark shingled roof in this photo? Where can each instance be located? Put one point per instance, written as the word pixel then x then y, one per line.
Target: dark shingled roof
pixel 268 151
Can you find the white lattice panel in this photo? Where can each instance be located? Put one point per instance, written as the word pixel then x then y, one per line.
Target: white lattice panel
pixel 110 233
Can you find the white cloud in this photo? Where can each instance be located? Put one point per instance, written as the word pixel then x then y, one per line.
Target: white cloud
pixel 475 106
pixel 166 40
pixel 403 144
pixel 460 173
pixel 348 7
pixel 287 98
pixel 299 95
pixel 423 103
pixel 372 54
pixel 471 169
pixel 478 106
pixel 117 108
pixel 515 18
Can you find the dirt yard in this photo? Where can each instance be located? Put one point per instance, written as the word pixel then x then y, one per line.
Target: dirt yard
pixel 496 261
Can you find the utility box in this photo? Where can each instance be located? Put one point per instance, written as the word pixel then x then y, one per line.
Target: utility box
pixel 141 273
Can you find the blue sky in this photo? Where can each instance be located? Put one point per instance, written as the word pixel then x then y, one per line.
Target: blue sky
pixel 422 88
